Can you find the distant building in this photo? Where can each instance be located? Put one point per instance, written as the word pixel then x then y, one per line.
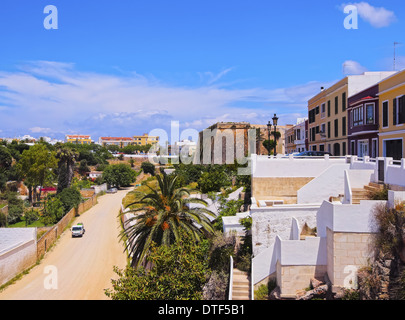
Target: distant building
pixel 78 139
pixel 117 141
pixel 145 139
pixel 189 146
pixel 296 137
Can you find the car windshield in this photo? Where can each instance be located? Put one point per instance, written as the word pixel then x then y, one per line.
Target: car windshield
pixel 76 228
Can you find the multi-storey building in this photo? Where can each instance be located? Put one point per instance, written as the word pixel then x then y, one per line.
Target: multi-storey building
pixel 295 137
pixel 363 118
pixel 78 139
pixel 392 116
pixel 327 112
pixel 145 139
pixel 117 141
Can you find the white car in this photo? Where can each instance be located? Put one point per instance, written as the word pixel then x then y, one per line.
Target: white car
pixel 112 190
pixel 78 230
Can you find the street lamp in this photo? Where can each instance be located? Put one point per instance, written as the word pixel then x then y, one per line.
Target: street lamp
pixel 275 119
pixel 268 133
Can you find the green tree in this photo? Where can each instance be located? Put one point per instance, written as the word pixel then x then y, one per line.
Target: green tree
pixel 83 167
pixel 269 145
pixel 161 214
pixel 119 175
pixel 70 198
pixel 213 181
pixel 178 272
pixel 36 165
pixel 148 167
pixel 5 157
pixel 66 161
pixel 15 208
pixel 54 210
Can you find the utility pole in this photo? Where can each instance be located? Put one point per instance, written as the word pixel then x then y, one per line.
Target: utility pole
pixel 395 44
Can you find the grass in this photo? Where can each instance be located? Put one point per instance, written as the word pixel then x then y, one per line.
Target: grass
pixel 21 224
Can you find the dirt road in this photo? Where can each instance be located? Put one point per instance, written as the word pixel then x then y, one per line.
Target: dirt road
pixel 78 268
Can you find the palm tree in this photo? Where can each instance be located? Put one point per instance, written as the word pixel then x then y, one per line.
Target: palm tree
pixel 161 214
pixel 67 158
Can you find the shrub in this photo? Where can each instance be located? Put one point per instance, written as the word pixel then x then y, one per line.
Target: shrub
pixel 70 198
pixel 148 167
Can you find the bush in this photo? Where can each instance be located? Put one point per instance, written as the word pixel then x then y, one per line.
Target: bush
pixel 148 167
pixel 54 210
pixel 70 198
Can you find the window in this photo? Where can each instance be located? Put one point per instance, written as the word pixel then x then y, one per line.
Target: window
pixel 336 105
pixel 343 126
pixel 336 127
pixel 328 108
pixel 385 114
pixel 311 116
pixel 329 129
pixel 317 110
pixel 344 101
pixel 343 148
pixel 357 116
pixel 323 110
pixel 399 110
pixel 370 113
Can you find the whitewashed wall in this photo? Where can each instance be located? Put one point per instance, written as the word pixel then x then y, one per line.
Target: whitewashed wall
pixel 269 222
pixel 18 251
pixel 329 183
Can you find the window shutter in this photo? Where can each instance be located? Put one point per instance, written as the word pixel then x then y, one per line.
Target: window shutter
pixel 401 106
pixel 385 114
pixel 394 112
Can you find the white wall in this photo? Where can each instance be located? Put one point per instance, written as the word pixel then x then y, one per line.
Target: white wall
pixel 269 222
pixel 346 217
pixel 263 167
pixel 18 251
pixel 396 174
pixel 328 183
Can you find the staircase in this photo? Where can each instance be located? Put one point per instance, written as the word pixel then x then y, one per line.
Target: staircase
pixel 240 285
pixel 363 193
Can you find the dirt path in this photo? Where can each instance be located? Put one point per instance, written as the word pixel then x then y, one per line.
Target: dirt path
pixel 80 267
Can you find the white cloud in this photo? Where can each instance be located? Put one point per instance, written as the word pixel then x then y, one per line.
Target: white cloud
pixel 378 17
pixel 55 98
pixel 351 67
pixel 40 130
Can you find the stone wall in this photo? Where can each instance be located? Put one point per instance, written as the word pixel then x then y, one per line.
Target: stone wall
pixel 291 279
pixel 279 188
pixel 51 236
pixel 346 253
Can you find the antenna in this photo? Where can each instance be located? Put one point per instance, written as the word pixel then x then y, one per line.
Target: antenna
pixel 395 44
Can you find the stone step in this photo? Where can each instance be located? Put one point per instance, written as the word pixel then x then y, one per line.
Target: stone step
pixel 240 298
pixel 376 185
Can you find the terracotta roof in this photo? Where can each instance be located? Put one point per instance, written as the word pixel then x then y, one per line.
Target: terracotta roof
pixel 115 138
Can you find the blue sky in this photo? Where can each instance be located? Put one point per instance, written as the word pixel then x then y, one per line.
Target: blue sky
pixel 129 66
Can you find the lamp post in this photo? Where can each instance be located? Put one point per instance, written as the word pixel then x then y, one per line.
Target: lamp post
pixel 268 133
pixel 275 119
